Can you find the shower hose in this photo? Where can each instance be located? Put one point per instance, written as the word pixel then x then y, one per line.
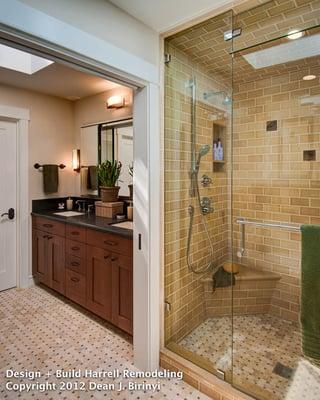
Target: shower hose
pixel 192 267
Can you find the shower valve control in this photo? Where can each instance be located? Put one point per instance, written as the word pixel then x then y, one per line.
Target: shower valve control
pixel 205 205
pixel 206 181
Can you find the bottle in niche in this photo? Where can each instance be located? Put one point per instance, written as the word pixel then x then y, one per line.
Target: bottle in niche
pixel 219 150
pixel 215 152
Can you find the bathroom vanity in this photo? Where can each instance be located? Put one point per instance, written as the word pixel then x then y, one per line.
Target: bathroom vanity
pixel 88 260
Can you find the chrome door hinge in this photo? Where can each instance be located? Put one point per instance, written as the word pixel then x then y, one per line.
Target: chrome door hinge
pixel 167 306
pixel 167 58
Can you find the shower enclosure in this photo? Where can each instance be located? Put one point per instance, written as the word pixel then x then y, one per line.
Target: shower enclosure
pixel 247 83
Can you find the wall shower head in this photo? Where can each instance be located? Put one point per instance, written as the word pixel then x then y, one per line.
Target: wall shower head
pixel 226 100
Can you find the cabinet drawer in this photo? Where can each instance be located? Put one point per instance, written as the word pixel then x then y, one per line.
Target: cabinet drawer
pixel 76 287
pixel 76 264
pixel 75 248
pixel 47 225
pixel 111 242
pixel 76 233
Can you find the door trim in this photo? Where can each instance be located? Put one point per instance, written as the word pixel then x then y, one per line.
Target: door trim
pixel 21 117
pixel 147 221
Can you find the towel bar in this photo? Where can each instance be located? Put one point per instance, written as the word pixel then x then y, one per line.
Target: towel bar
pixel 37 166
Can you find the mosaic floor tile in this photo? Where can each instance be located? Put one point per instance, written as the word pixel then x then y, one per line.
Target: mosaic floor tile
pixel 40 330
pixel 259 343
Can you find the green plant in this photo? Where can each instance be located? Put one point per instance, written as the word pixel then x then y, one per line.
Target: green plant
pixel 109 172
pixel 131 170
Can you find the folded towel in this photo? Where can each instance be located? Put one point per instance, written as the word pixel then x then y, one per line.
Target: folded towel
pixel 310 291
pixel 92 178
pixel 50 178
pixel 222 278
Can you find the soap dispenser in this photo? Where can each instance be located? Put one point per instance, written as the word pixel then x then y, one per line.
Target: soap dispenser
pixel 219 150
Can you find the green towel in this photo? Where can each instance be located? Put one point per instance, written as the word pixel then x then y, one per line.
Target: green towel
pixel 92 179
pixel 222 278
pixel 50 178
pixel 310 291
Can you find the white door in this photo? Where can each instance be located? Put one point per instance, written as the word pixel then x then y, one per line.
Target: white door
pixel 8 200
pixel 124 153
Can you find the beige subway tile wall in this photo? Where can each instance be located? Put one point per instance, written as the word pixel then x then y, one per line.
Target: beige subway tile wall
pixel 272 181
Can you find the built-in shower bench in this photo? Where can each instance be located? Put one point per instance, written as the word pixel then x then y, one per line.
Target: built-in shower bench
pixel 252 293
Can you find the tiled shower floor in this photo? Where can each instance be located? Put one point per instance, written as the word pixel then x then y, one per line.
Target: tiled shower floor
pixel 260 342
pixel 40 331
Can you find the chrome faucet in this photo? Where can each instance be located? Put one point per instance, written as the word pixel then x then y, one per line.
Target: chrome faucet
pixel 81 205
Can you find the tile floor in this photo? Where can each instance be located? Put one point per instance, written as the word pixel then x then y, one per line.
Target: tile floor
pixel 260 342
pixel 41 331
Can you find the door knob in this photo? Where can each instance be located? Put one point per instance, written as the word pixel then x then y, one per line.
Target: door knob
pixel 10 213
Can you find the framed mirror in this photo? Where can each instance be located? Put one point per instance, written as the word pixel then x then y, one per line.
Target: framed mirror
pixel 101 142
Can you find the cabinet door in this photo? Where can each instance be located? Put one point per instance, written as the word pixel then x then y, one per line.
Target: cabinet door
pixel 39 255
pixel 99 282
pixel 122 292
pixel 56 262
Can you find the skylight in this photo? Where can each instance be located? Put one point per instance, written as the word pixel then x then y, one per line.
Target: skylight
pixel 21 61
pixel 286 52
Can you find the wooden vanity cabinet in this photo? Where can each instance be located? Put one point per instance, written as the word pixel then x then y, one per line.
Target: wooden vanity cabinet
pixel 90 267
pixel 48 254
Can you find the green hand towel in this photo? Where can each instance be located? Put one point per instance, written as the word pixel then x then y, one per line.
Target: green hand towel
pixel 310 291
pixel 92 180
pixel 50 178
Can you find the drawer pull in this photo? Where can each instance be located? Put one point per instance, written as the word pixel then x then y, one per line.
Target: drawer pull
pixel 114 258
pixel 45 236
pixel 74 279
pixel 106 257
pixel 75 264
pixel 75 248
pixel 110 243
pixel 47 225
pixel 49 237
pixel 74 233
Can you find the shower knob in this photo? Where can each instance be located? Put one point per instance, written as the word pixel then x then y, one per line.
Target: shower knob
pixel 205 180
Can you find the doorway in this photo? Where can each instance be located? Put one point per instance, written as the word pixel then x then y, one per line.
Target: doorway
pixel 8 204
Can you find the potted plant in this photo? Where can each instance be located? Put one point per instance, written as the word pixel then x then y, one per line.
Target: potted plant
pixel 131 185
pixel 108 176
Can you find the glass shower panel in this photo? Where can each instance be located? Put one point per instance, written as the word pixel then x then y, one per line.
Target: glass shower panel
pixel 197 154
pixel 276 145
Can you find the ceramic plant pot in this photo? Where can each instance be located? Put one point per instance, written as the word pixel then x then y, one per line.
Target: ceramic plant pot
pixel 109 194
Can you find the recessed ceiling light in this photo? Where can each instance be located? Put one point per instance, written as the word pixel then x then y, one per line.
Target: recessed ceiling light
pixel 309 77
pixel 295 34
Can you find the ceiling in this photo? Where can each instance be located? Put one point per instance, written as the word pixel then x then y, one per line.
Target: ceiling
pixel 57 80
pixel 166 14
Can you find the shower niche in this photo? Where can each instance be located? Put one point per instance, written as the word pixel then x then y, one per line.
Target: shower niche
pixel 219 132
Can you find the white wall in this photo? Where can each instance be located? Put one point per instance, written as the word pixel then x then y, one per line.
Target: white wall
pixel 106 21
pixel 51 136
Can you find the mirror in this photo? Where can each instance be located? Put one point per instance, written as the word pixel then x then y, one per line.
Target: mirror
pixel 101 142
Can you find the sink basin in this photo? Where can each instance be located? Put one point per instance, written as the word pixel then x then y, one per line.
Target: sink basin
pixel 68 213
pixel 125 224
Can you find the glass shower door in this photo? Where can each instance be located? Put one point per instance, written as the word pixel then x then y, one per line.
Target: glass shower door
pixel 197 195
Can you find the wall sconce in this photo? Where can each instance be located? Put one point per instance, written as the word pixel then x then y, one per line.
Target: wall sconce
pixel 76 160
pixel 115 102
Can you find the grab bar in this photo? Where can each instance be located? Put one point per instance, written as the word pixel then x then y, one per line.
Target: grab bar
pixel 243 222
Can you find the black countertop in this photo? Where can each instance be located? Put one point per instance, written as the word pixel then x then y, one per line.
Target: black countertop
pixel 88 221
